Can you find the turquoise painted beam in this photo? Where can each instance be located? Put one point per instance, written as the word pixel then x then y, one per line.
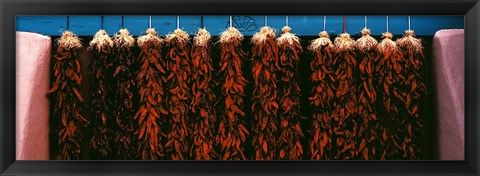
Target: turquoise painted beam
pixel 248 25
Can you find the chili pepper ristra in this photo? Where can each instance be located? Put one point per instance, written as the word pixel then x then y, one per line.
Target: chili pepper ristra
pixel 289 141
pixel 124 83
pixel 101 104
pixel 151 115
pixel 264 97
pixel 68 120
pixel 179 94
pixel 344 117
pixel 389 68
pixel 322 97
pixel 367 141
pixel 232 133
pixel 415 88
pixel 204 114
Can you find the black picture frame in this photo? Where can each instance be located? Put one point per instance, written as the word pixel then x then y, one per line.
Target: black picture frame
pixel 9 9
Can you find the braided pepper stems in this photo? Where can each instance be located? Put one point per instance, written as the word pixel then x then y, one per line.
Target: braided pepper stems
pixel 414 98
pixel 231 133
pixel 67 121
pixel 289 146
pixel 102 95
pixel 151 114
pixel 322 97
pixel 203 110
pixel 366 109
pixel 389 66
pixel 344 117
pixel 264 106
pixel 178 96
pixel 124 83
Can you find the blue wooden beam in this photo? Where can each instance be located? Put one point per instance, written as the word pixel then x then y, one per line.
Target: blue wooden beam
pixel 248 25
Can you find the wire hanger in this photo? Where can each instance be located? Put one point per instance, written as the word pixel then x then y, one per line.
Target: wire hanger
pixel 286 20
pixel 178 22
pixel 123 23
pixel 365 22
pixel 149 21
pixel 102 25
pixel 230 21
pixel 68 23
pixel 409 23
pixel 324 23
pixel 266 20
pixel 387 23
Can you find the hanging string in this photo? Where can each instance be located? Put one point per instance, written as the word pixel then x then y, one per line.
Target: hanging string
pixel 178 22
pixel 387 23
pixel 286 20
pixel 365 22
pixel 324 23
pixel 266 20
pixel 201 22
pixel 149 21
pixel 409 23
pixel 102 22
pixel 344 24
pixel 123 23
pixel 230 21
pixel 68 22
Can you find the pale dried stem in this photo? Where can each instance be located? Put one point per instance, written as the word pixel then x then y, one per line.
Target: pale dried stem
pixel 202 38
pixel 150 36
pixel 123 39
pixel 323 40
pixel 68 40
pixel 230 35
pixel 101 40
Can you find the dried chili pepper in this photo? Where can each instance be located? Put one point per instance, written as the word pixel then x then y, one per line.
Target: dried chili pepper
pixel 389 66
pixel 367 141
pixel 345 124
pixel 289 144
pixel 67 120
pixel 204 114
pixel 231 133
pixel 101 104
pixel 264 97
pixel 415 89
pixel 322 97
pixel 179 95
pixel 150 80
pixel 123 75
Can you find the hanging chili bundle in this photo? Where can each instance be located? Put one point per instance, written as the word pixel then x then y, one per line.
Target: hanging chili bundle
pixel 67 121
pixel 289 144
pixel 322 97
pixel 178 96
pixel 344 116
pixel 264 97
pixel 368 122
pixel 232 133
pixel 150 80
pixel 389 66
pixel 203 97
pixel 124 139
pixel 414 87
pixel 101 104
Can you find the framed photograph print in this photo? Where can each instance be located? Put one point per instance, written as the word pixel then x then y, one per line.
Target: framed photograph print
pixel 234 87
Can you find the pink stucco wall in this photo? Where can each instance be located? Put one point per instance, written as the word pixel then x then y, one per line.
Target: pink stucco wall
pixel 449 63
pixel 32 107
